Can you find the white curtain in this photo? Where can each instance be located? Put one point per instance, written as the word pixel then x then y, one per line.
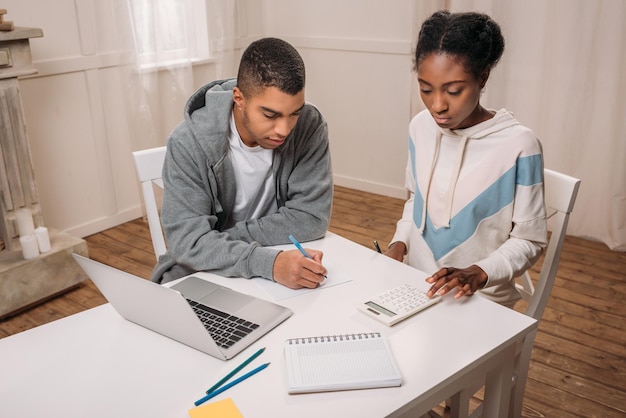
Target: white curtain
pixel 164 44
pixel 562 75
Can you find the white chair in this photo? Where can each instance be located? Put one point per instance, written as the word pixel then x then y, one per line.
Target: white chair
pixel 560 195
pixel 149 165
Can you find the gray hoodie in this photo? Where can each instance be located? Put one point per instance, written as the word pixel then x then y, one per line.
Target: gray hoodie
pixel 200 189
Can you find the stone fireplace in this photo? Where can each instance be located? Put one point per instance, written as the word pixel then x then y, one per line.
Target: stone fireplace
pixel 24 282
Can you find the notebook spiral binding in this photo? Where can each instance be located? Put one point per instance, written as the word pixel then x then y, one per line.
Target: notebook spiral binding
pixel 333 338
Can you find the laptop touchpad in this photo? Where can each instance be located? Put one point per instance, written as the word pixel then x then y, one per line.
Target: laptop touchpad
pixel 226 300
pixel 195 288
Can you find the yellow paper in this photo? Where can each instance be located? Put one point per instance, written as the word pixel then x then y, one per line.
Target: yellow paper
pixel 225 408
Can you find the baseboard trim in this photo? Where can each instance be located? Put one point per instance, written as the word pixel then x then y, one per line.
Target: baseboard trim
pixel 371 187
pixel 99 225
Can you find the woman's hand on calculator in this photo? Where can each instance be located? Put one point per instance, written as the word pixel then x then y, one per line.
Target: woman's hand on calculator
pixel 467 281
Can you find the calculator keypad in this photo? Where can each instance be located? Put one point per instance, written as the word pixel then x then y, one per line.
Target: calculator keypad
pixel 402 299
pixel 398 303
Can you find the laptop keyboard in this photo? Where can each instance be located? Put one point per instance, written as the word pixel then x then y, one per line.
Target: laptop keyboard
pixel 225 329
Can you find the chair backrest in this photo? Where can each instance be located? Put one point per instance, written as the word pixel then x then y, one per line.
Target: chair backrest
pixel 149 165
pixel 560 195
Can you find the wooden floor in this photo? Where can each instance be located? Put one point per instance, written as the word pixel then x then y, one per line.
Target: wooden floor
pixel 578 366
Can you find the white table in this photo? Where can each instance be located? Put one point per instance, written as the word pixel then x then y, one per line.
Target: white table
pixel 97 364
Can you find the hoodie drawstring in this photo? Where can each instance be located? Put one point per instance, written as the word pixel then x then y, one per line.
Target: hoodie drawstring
pixel 430 178
pixel 453 179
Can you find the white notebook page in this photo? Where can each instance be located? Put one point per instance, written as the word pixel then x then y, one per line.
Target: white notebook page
pixel 343 362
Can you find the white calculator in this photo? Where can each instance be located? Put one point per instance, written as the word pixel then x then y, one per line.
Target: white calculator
pixel 398 303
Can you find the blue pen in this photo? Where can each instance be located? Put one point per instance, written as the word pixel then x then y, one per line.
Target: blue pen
pixel 299 247
pixel 230 385
pixel 231 374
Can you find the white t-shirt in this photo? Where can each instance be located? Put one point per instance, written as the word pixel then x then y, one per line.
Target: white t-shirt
pixel 256 194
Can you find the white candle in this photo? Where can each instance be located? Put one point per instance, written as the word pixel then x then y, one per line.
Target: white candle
pixel 29 246
pixel 24 220
pixel 43 239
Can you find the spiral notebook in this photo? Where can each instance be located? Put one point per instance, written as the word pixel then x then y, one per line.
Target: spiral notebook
pixel 340 362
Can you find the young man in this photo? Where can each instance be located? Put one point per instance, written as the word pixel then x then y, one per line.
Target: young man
pixel 248 166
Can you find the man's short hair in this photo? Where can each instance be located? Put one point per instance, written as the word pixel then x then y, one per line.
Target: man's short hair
pixel 270 62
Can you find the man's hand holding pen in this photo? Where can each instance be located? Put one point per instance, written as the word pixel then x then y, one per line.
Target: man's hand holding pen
pixel 299 268
pixel 294 270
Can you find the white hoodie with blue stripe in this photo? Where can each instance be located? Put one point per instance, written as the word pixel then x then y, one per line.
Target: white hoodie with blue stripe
pixel 476 197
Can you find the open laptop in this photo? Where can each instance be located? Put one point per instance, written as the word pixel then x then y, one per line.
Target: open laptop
pixel 211 318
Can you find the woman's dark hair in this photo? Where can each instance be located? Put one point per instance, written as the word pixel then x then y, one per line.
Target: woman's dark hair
pixel 270 62
pixel 474 38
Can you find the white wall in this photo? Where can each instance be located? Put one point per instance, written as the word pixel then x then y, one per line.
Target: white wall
pixel 358 61
pixel 359 70
pixel 76 116
pixel 359 64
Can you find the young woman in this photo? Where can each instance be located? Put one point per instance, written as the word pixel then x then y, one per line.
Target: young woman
pixel 476 217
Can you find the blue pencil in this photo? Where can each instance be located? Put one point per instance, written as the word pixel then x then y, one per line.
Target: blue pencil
pixel 231 374
pixel 230 385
